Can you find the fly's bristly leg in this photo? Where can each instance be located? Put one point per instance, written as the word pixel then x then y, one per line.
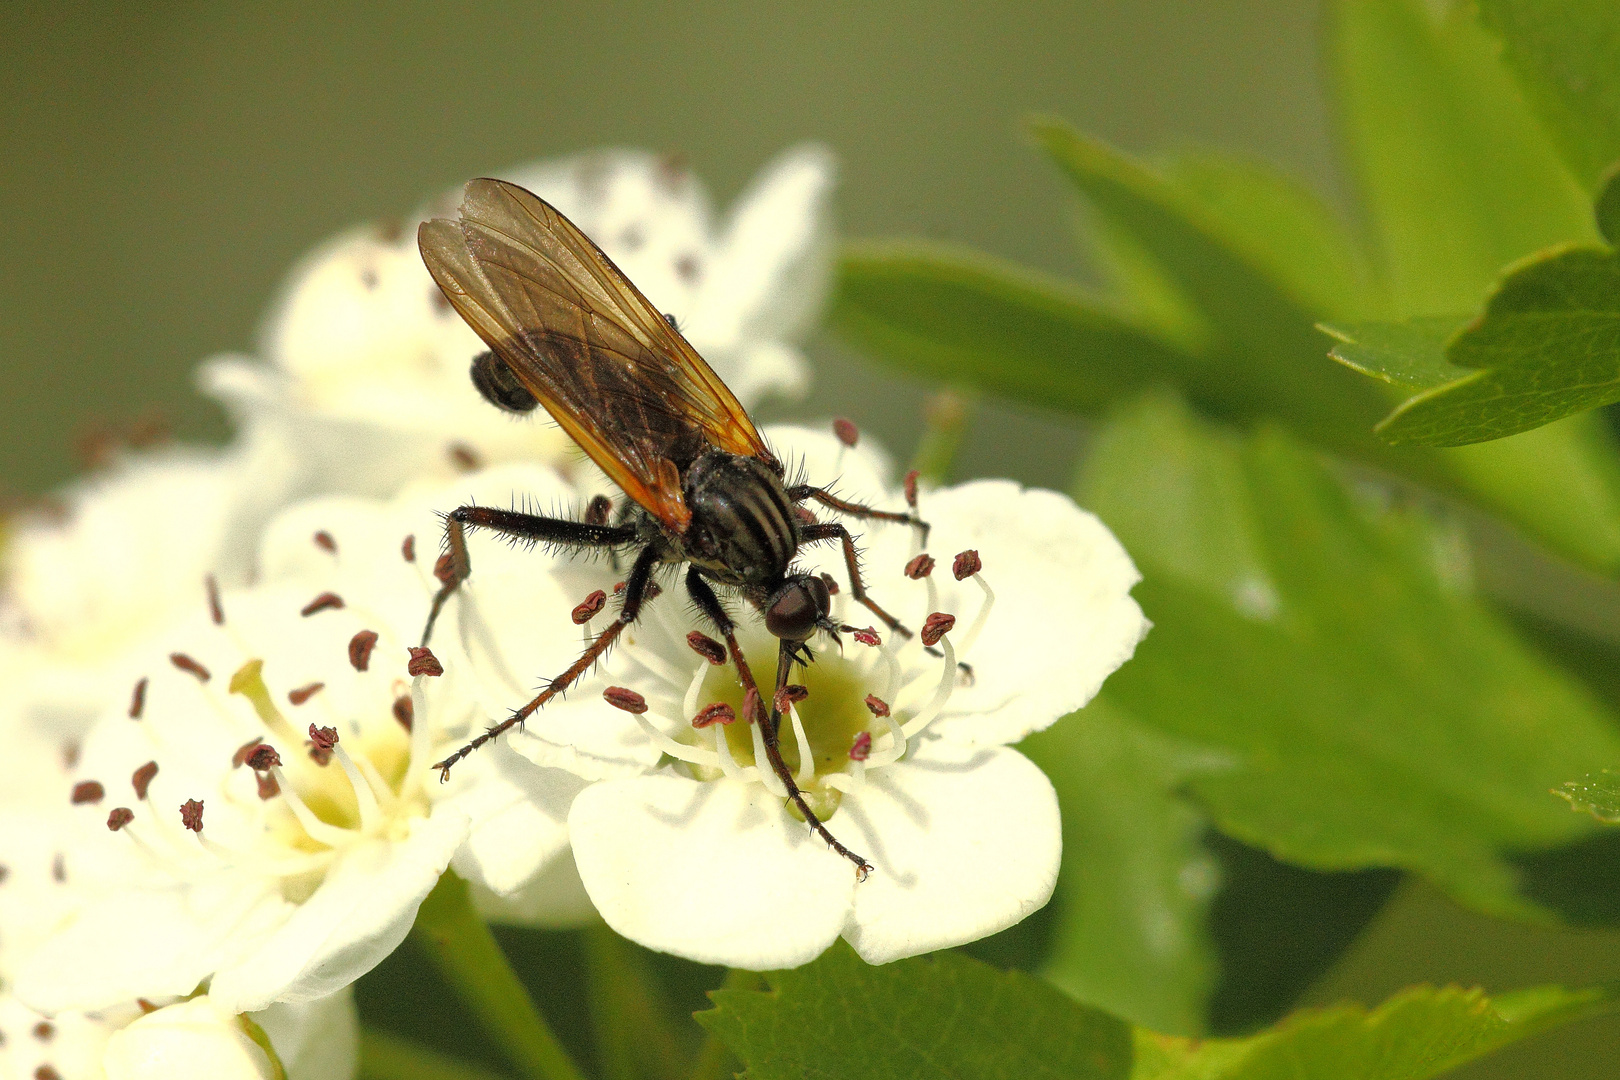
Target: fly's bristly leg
pixel 826 498
pixel 709 604
pixel 455 565
pixel 635 594
pixel 832 530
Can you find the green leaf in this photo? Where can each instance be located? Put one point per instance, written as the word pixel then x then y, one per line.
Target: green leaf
pixel 944 1017
pixel 1265 356
pixel 1566 56
pixel 1597 794
pixel 1136 882
pixel 1376 715
pixel 1419 1033
pixel 1547 347
pixel 1410 353
pixel 1607 208
pixel 1457 176
pixel 953 314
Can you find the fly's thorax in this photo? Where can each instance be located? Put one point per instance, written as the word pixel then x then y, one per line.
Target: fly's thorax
pixel 742 530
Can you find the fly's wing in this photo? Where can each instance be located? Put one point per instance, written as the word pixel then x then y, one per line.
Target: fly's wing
pixel 602 360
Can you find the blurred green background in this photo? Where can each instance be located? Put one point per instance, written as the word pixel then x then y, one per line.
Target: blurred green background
pixel 162 166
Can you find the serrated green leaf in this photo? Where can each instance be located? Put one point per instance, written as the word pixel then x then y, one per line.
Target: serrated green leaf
pixel 1128 926
pixel 954 314
pixel 1378 717
pixel 1419 1033
pixel 944 1017
pixel 1409 353
pixel 1547 347
pixel 1566 56
pixel 1457 176
pixel 1597 794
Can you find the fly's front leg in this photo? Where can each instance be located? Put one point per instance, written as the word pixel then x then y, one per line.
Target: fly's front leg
pixel 455 565
pixel 857 510
pixel 832 530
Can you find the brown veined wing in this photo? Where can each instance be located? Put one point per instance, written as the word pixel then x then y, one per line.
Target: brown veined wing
pixel 603 361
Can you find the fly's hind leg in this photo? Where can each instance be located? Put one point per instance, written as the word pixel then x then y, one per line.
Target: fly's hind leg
pixel 455 565
pixel 858 510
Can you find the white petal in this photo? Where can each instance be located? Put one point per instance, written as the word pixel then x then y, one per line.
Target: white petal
pixel 775 255
pixel 519 815
pixel 149 943
pixel 555 900
pixel 191 1040
pixel 315 1040
pixel 362 910
pixel 715 872
pixel 1063 618
pixel 966 842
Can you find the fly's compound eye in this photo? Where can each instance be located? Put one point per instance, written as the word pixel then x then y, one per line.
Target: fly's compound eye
pixel 495 382
pixel 795 611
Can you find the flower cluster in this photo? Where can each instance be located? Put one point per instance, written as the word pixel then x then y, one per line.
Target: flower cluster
pixel 229 811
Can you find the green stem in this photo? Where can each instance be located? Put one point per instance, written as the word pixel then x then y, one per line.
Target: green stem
pixel 630 1013
pixel 945 417
pixel 714 1061
pixel 388 1057
pixel 467 955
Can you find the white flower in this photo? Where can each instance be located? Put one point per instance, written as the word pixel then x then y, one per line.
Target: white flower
pixel 252 849
pixel 367 377
pixel 124 553
pixel 685 844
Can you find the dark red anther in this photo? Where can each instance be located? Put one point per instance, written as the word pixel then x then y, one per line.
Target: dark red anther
pixel 187 664
pixel 444 568
pixel 304 693
pixel 878 707
pixel 753 709
pixel 47 1072
pixel 147 1006
pixel 137 700
pixel 966 564
pixel 935 627
pixel 88 791
pixel 268 788
pixel 717 712
pixel 791 694
pixel 589 608
pixel 423 662
pixel 653 591
pixel 360 647
pixel 215 611
pixel 408 548
pixel 706 647
pixel 404 711
pixel 464 457
pixel 622 698
pixel 847 432
pixel 831 583
pixel 803 516
pixel 862 748
pixel 327 601
pixel 120 817
pixel 911 489
pixel 263 758
pixel 618 588
pixel 323 738
pixel 44 1031
pixel 324 541
pixel 191 814
pixel 598 510
pixel 920 567
pixel 142 778
pixel 239 758
pixel 868 636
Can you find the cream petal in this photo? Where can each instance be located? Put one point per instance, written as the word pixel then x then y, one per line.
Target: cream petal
pixel 519 816
pixel 715 872
pixel 315 1040
pixel 965 841
pixel 362 910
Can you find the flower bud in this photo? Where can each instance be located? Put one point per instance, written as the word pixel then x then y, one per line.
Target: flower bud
pixel 192 1038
